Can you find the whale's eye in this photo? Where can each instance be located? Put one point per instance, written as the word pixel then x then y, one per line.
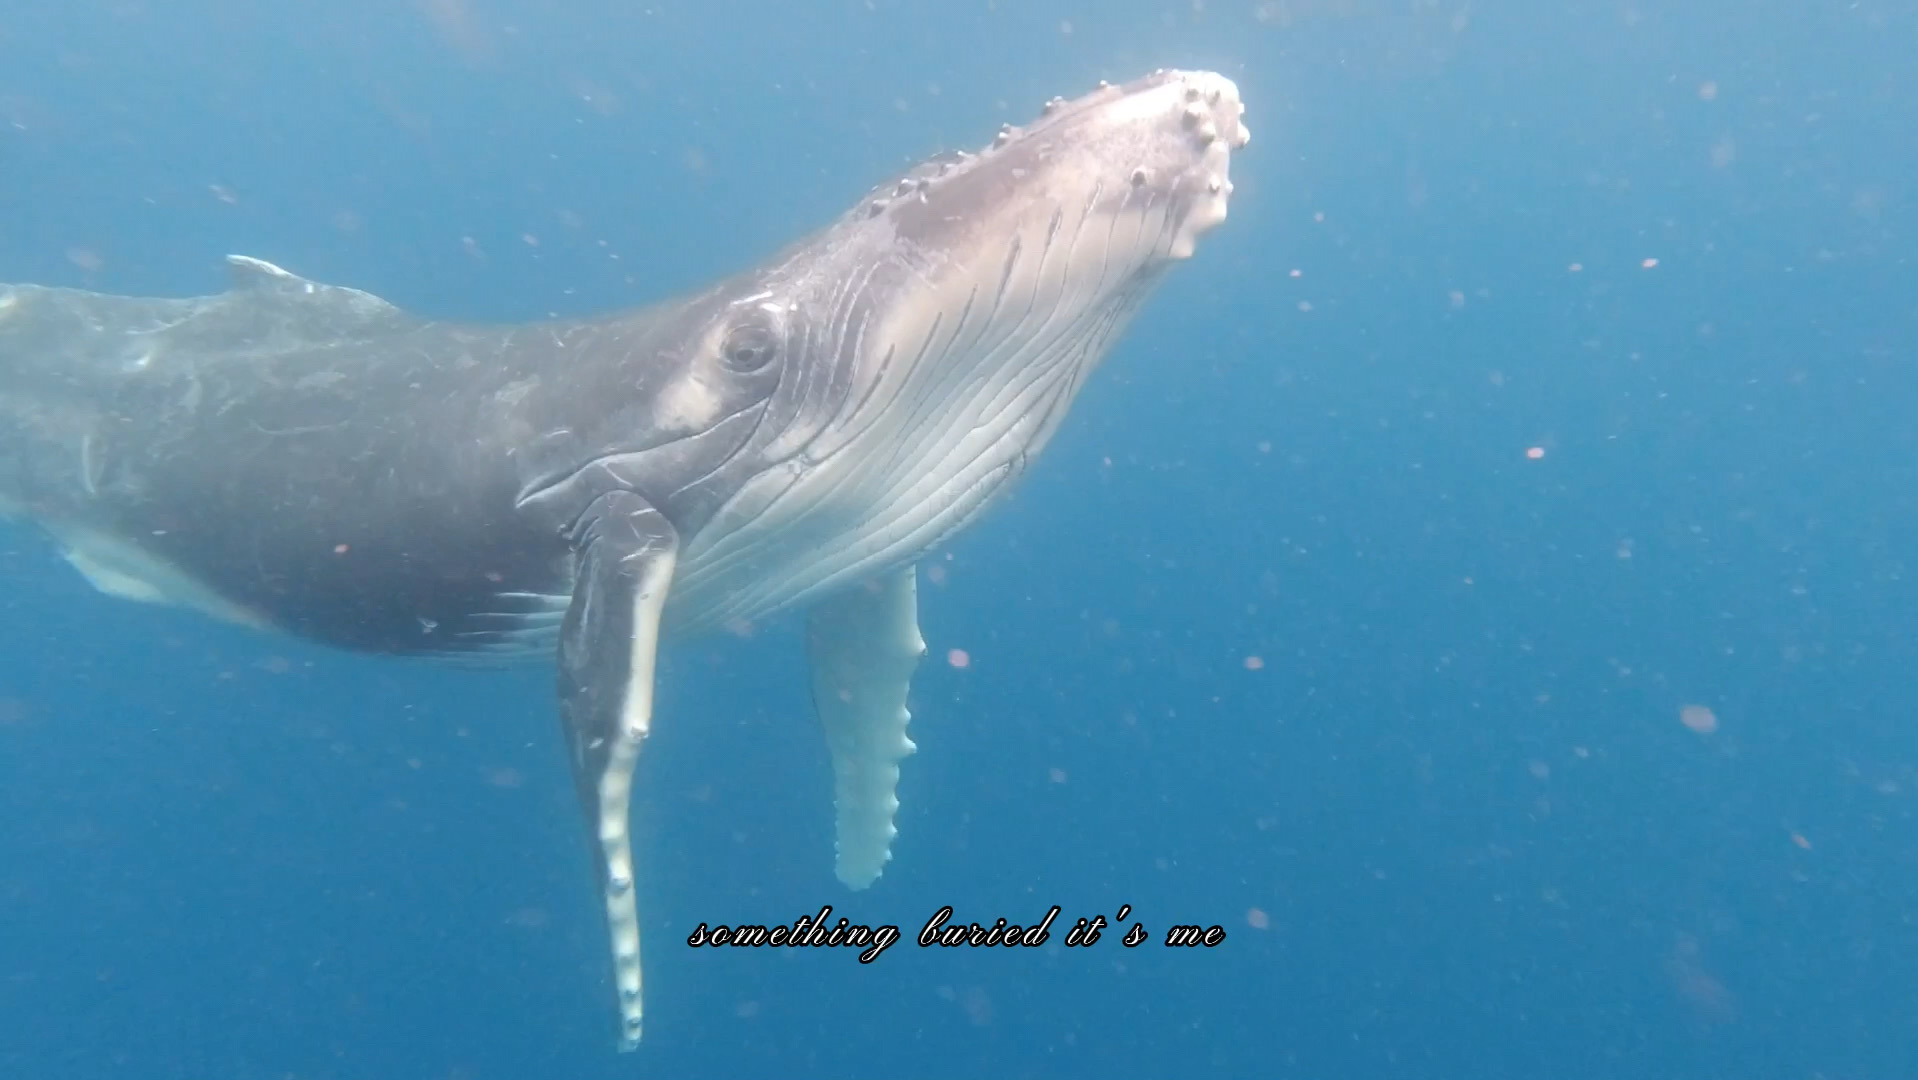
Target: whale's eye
pixel 750 347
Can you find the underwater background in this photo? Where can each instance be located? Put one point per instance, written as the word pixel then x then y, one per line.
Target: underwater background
pixel 1482 581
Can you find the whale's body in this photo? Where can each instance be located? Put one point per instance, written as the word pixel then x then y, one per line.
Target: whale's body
pixel 311 459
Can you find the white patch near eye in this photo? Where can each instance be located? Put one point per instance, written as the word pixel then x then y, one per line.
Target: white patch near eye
pixel 686 404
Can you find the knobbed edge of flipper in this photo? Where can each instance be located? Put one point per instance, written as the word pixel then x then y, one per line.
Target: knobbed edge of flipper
pixel 622 910
pixel 864 645
pixel 609 642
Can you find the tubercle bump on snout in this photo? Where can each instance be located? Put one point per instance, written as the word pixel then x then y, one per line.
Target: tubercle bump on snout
pixel 1209 111
pixel 1206 97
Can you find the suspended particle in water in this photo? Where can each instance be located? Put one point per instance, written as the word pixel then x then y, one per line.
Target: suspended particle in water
pixel 1699 718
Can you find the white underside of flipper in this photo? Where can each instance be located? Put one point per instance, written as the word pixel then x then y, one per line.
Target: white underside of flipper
pixel 864 645
pixel 616 794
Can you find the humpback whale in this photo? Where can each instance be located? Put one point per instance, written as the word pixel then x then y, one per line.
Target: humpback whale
pixel 313 460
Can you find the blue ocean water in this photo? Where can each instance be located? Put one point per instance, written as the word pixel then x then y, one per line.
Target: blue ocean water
pixel 1480 583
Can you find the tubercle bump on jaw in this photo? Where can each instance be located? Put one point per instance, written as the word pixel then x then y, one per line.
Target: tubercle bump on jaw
pixel 1200 115
pixel 915 183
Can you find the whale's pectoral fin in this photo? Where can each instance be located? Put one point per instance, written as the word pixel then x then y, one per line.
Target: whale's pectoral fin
pixel 864 645
pixel 625 554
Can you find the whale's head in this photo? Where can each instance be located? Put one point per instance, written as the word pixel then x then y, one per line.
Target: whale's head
pixel 816 424
pixel 927 344
pixel 1127 177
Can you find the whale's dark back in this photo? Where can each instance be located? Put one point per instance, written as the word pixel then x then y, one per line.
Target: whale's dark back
pixel 316 458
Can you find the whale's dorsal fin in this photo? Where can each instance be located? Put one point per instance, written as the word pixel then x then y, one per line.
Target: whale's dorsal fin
pixel 251 275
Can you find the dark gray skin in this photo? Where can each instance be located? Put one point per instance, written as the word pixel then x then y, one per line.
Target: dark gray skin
pixel 380 480
pixel 312 459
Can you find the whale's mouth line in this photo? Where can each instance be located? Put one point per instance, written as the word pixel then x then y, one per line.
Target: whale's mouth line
pixel 1014 270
